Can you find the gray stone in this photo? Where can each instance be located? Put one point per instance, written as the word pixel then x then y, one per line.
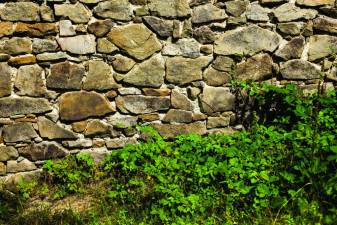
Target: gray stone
pixel 217 99
pixel 19 132
pixel 327 24
pixel 5 80
pixel 66 28
pixel 199 2
pixel 208 13
pixel 292 50
pixel 171 9
pixel 82 143
pixel 173 130
pixel 120 142
pixel 236 8
pixel 75 106
pixel 114 9
pixel 122 121
pixel 122 63
pixel 10 106
pixel 256 68
pixel 255 12
pixel 22 166
pixel 43 151
pixel 137 40
pixel 298 69
pixel 81 44
pixel 204 35
pixel 217 122
pixel 47 14
pixel 65 76
pixel 44 45
pixel 180 101
pixel 100 27
pixel 29 81
pixel 149 73
pixel 214 77
pixel 292 28
pixel 99 77
pixel 164 28
pixel 182 71
pixel 223 63
pixel 187 47
pixel 315 2
pixel 138 104
pixel 20 11
pixel 77 13
pixel 246 40
pixel 178 116
pixel 51 130
pixel 8 153
pixel 45 57
pixel 321 46
pixel 289 12
pixel 105 46
pixel 16 46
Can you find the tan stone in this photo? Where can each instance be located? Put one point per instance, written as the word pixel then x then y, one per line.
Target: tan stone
pixel 216 122
pixel 315 2
pixel 105 46
pixel 297 69
pixel 289 12
pixel 100 27
pixel 173 130
pixel 149 117
pixel 10 106
pixel 2 169
pixel 172 8
pixel 178 116
pixel 5 80
pixel 157 92
pixel 6 29
pixel 50 130
pixel 180 101
pixel 19 132
pixel 96 128
pixel 114 9
pixel 137 104
pixel 22 166
pixel 29 81
pixel 80 126
pixel 16 46
pixel 77 13
pixel 43 151
pixel 217 99
pixel 326 24
pixel 8 153
pixel 214 77
pixel 20 11
pixel 22 60
pixel 321 46
pixel 36 29
pixel 122 63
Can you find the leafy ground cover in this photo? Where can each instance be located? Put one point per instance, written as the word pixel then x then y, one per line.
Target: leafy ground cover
pixel 280 170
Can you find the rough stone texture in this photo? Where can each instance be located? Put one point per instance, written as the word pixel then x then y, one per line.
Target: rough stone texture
pixel 289 12
pixel 321 46
pixel 217 99
pixel 292 50
pixel 122 63
pixel 326 24
pixel 2 169
pixel 164 28
pixel 256 68
pixel 22 60
pixel 292 28
pixel 10 106
pixel 19 132
pixel 20 11
pixel 5 80
pixel 105 46
pixel 43 151
pixel 297 69
pixel 81 105
pixel 6 29
pixel 16 46
pixel 81 44
pixel 65 76
pixel 315 2
pixel 22 166
pixel 236 7
pixel 137 40
pixel 120 142
pixel 100 27
pixel 215 77
pixel 137 104
pixel 114 9
pixel 178 116
pixel 96 128
pixel 36 30
pixel 51 131
pixel 180 101
pixel 77 13
pixel 150 73
pixel 67 28
pixel 43 45
pixel 255 12
pixel 182 71
pixel 173 130
pixel 223 63
pixel 29 81
pixel 207 13
pixel 8 153
pixel 99 77
pixel 217 122
pixel 186 47
pixel 247 40
pixel 173 8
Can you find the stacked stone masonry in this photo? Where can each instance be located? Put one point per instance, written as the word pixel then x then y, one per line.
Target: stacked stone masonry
pixel 78 75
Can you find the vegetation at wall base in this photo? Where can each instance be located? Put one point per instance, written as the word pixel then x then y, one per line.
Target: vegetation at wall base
pixel 280 170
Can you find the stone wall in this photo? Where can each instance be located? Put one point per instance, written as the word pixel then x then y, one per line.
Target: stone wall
pixel 77 75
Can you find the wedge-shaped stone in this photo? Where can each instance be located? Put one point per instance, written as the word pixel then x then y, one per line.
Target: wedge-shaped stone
pixel 19 132
pixel 173 130
pixel 246 40
pixel 43 151
pixel 81 105
pixel 50 130
pixel 77 13
pixel 138 104
pixel 114 9
pixel 5 80
pixel 10 106
pixel 150 73
pixel 137 40
pixel 81 44
pixel 180 101
pixel 321 46
pixel 20 11
pixel 172 8
pixel 298 69
pixel 217 99
pixel 292 50
pixel 289 12
pixel 163 28
pixel 180 70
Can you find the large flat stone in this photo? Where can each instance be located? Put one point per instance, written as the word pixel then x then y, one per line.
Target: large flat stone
pixel 29 81
pixel 208 13
pixel 20 11
pixel 81 44
pixel 325 23
pixel 171 9
pixel 77 13
pixel 289 12
pixel 51 130
pixel 81 105
pixel 173 130
pixel 43 151
pixel 315 2
pixel 114 9
pixel 292 50
pixel 321 46
pixel 136 39
pixel 22 166
pixel 36 29
pixel 297 69
pixel 10 106
pixel 246 40
pixel 138 104
pixel 217 99
pixel 19 132
pixel 5 80
pixel 16 46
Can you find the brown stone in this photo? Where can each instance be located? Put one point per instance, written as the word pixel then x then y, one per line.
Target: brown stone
pixel 20 11
pixel 43 151
pixel 50 130
pixel 138 104
pixel 292 50
pixel 81 105
pixel 96 128
pixel 36 29
pixel 173 130
pixel 29 81
pixel 80 126
pixel 122 63
pixel 22 60
pixel 10 106
pixel 217 99
pixel 315 2
pixel 214 77
pixel 24 165
pixel 157 92
pixel 6 29
pixel 2 169
pixel 256 68
pixel 216 122
pixel 180 101
pixel 16 46
pixel 100 27
pixel 327 24
pixel 8 153
pixel 149 117
pixel 178 116
pixel 19 132
pixel 5 80
pixel 65 75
